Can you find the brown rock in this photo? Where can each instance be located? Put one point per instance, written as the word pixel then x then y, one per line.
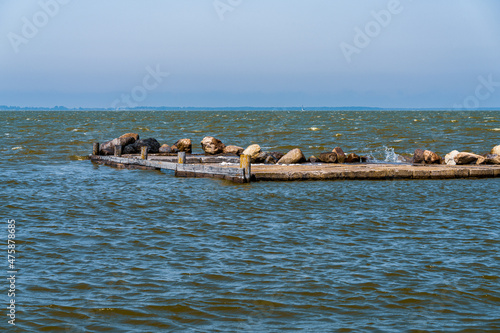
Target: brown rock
pixel 212 146
pixel 328 157
pixel 418 156
pixel 340 154
pixel 184 145
pixel 165 149
pixel 294 156
pixel 253 151
pixel 352 158
pixel 313 159
pixel 489 159
pixel 233 150
pixel 108 148
pixel 495 150
pixel 466 158
pixel 431 157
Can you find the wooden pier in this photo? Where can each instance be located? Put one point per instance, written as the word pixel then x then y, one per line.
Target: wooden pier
pixel 238 169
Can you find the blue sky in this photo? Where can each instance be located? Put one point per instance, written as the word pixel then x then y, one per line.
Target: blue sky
pixel 95 53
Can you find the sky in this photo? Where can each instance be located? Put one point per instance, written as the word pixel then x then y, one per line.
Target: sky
pixel 233 53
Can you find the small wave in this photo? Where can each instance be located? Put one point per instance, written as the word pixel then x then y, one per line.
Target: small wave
pixel 17 148
pixel 338 134
pixel 388 155
pixel 314 129
pixel 454 121
pixel 495 129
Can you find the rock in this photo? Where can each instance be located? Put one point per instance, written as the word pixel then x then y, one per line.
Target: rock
pixel 489 159
pixel 165 149
pixel 212 146
pixel 276 155
pixel 135 148
pixel 340 154
pixel 294 156
pixel 405 158
pixel 431 157
pixel 466 158
pixel 108 148
pixel 184 145
pixel 418 156
pixel 233 150
pixel 495 150
pixel 261 158
pixel 328 157
pixel 365 158
pixel 352 158
pixel 449 159
pixel 313 159
pixel 270 160
pixel 253 151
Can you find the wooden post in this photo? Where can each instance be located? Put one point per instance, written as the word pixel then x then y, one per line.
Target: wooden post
pixel 144 152
pixel 118 150
pixel 95 148
pixel 246 165
pixel 181 157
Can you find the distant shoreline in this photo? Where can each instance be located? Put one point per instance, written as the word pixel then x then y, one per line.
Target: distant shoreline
pixel 244 108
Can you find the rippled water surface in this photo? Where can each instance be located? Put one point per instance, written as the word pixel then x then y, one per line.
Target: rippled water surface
pixel 103 249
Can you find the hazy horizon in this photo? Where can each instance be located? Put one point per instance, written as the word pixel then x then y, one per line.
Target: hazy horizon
pixel 220 53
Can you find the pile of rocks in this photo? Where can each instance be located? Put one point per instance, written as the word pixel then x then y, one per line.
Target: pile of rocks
pixel 131 144
pixel 457 158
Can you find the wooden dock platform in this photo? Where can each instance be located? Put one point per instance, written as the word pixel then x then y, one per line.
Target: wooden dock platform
pixel 238 169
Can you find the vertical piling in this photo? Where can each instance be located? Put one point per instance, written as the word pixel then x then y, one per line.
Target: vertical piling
pixel 181 157
pixel 95 148
pixel 118 150
pixel 246 165
pixel 144 152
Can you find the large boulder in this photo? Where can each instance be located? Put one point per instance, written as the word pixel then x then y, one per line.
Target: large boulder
pixel 352 158
pixel 449 159
pixel 495 150
pixel 135 148
pixel 328 157
pixel 294 156
pixel 431 157
pixel 418 156
pixel 165 149
pixel 467 158
pixel 233 150
pixel 340 154
pixel 183 145
pixel 108 148
pixel 212 146
pixel 253 151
